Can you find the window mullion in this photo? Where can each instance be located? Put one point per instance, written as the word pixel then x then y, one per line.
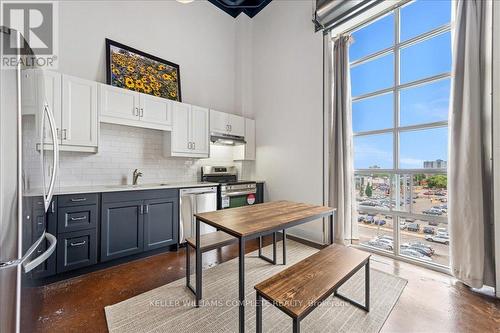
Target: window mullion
pixel 396 178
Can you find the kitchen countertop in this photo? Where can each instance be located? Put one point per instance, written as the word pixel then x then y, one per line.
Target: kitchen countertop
pixel 119 188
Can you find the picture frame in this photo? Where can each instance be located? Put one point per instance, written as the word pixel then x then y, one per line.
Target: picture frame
pixel 132 69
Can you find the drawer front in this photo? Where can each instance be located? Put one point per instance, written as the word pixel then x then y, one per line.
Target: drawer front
pixel 77 199
pixel 76 249
pixel 112 197
pixel 76 218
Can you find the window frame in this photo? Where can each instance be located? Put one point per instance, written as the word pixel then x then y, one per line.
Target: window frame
pixel 396 172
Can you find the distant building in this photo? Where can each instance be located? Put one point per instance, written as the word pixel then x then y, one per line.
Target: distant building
pixel 437 164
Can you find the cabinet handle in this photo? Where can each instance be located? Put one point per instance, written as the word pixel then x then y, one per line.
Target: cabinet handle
pixel 194 145
pixel 141 209
pixel 77 244
pixel 146 207
pixel 80 218
pixel 58 134
pixel 142 113
pixel 53 207
pixel 190 145
pixel 230 128
pixel 78 199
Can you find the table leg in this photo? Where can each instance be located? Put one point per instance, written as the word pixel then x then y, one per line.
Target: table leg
pixel 284 247
pixel 367 285
pixel 331 228
pixel 258 324
pixel 275 256
pixel 241 286
pixel 296 325
pixel 198 264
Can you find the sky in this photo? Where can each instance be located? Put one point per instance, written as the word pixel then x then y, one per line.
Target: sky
pixel 418 105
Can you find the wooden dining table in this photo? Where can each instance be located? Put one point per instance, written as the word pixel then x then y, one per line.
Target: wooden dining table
pixel 250 222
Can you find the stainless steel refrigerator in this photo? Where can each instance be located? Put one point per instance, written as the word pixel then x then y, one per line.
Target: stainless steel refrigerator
pixel 28 178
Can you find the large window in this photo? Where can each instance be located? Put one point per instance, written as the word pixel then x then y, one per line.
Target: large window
pixel 400 76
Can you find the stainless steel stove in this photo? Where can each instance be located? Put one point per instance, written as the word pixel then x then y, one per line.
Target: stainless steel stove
pixel 232 192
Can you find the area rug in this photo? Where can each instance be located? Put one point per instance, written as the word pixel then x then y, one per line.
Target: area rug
pixel 170 308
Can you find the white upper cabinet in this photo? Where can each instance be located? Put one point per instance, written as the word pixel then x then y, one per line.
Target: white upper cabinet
pixel 189 136
pixel 156 112
pixel 180 136
pixel 199 130
pixel 246 152
pixel 226 123
pixel 73 102
pixel 236 125
pixel 117 105
pixel 126 107
pixel 79 116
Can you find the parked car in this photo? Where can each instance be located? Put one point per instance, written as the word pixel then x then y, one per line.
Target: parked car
pixel 422 250
pixel 432 211
pixel 444 234
pixel 438 239
pixel 434 223
pixel 381 245
pixel 403 225
pixel 421 245
pixel 361 218
pixel 442 231
pixel 380 222
pixel 415 254
pixel 428 230
pixel 413 227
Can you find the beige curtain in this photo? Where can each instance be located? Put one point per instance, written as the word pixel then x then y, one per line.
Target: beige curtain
pixel 341 176
pixel 469 188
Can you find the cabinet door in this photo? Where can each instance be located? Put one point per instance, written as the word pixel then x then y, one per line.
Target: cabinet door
pixel 118 105
pixel 79 116
pixel 122 229
pixel 44 221
pixel 161 223
pixel 155 112
pixel 219 122
pixel 199 130
pixel 247 151
pixel 76 250
pixel 48 89
pixel 180 141
pixel 28 88
pixel 236 125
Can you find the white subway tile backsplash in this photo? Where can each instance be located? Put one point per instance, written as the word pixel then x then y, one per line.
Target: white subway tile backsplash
pixel 123 149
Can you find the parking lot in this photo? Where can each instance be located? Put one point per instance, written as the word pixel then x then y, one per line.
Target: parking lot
pixel 369 232
pixel 376 229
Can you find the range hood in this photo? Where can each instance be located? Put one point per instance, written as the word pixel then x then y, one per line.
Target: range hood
pixel 224 139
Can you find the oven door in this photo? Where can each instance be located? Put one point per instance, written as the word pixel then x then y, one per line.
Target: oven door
pixel 232 200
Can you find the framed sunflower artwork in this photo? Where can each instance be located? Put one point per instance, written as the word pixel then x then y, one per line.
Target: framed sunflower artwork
pixel 135 70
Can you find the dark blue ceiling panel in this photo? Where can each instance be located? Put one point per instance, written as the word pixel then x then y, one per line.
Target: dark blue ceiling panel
pixel 236 7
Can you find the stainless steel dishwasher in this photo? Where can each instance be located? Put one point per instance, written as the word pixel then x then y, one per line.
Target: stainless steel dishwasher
pixel 195 200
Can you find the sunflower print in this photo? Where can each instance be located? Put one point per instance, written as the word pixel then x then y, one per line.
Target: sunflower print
pixel 129 82
pixel 135 72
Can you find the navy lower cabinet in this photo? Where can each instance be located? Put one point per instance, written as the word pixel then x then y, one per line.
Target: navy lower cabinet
pixel 136 221
pixel 43 221
pixel 76 250
pixel 122 229
pixel 160 227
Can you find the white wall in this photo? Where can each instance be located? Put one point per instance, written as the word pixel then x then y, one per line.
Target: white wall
pixel 287 103
pixel 197 36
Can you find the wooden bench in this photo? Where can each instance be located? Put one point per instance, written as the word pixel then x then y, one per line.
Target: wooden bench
pixel 298 289
pixel 210 241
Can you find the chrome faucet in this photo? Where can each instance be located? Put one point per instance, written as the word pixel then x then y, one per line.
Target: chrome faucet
pixel 136 176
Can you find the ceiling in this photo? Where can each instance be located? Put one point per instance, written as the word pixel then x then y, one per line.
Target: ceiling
pixel 236 7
